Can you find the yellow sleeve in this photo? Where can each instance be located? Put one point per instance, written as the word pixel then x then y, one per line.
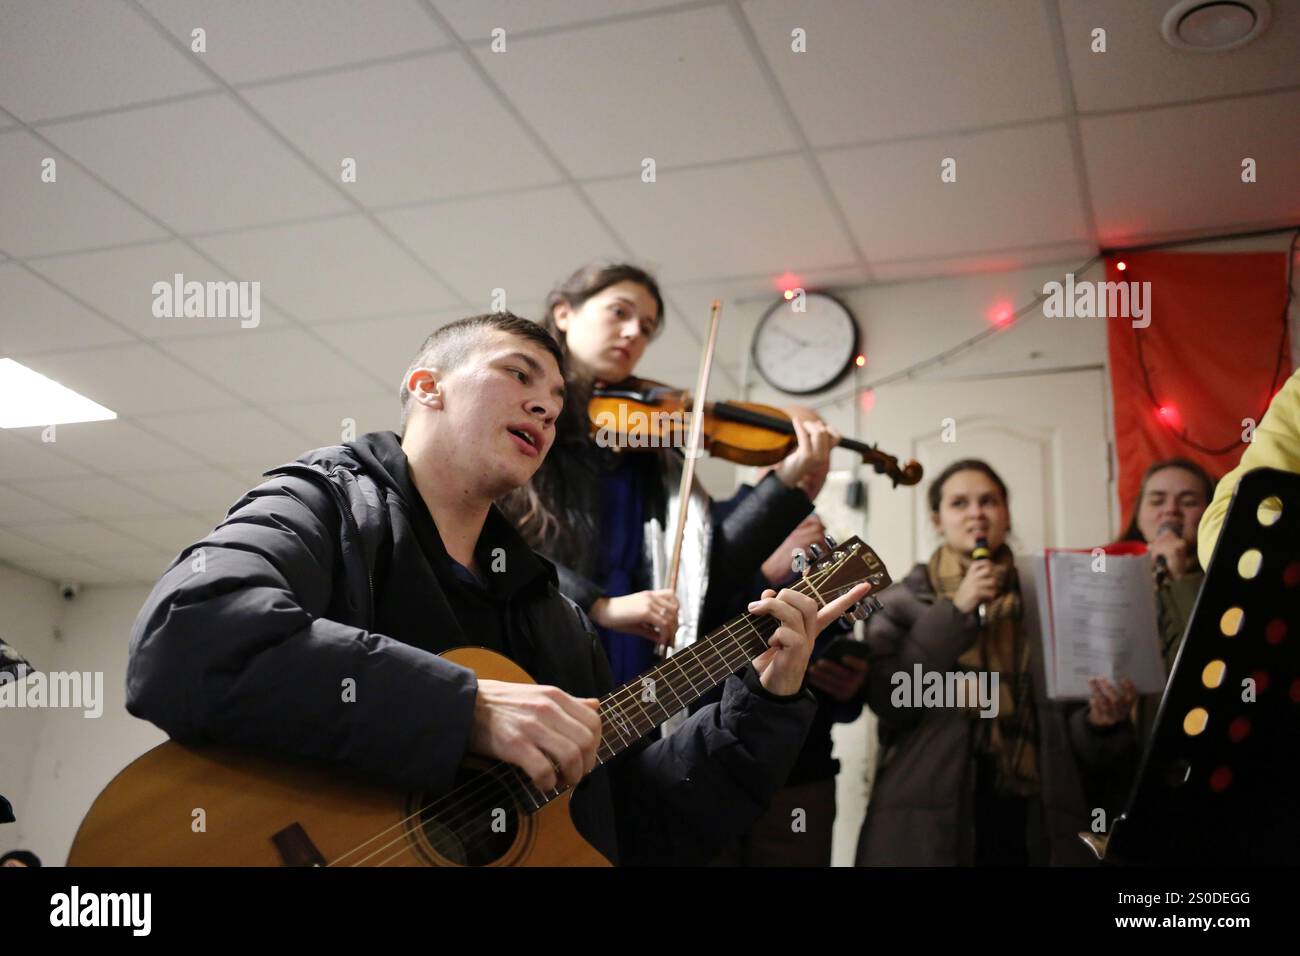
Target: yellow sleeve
pixel 1276 445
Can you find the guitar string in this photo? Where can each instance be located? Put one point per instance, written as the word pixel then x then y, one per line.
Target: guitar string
pixel 468 844
pixel 467 797
pixel 463 798
pixel 458 817
pixel 619 698
pixel 745 657
pixel 466 841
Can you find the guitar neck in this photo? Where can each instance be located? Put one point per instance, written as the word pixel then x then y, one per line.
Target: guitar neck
pixel 630 712
pixel 633 710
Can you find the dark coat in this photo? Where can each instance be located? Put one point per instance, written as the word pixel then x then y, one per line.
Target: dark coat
pixel 922 803
pixel 249 634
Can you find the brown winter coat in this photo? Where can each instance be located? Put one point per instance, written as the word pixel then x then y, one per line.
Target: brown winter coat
pixel 921 810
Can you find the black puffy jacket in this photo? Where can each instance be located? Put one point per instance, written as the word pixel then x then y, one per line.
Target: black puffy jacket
pixel 249 634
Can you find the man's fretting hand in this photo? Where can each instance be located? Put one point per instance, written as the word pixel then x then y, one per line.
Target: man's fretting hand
pixel 781 667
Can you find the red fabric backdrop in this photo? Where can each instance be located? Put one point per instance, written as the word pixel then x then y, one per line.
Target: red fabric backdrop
pixel 1209 352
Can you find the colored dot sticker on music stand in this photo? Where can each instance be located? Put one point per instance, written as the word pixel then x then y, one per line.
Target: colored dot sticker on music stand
pixel 1230 622
pixel 1239 729
pixel 1249 562
pixel 1275 632
pixel 1269 511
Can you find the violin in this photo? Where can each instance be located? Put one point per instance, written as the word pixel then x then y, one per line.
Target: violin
pixel 643 414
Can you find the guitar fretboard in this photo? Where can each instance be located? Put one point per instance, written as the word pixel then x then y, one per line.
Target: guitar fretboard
pixel 633 710
pixel 630 712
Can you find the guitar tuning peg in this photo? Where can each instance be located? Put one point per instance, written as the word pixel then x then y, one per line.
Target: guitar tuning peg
pixel 830 542
pixel 864 609
pixel 798 561
pixel 816 552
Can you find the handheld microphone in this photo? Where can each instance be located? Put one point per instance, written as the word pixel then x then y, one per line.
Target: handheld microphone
pixel 981 552
pixel 1162 566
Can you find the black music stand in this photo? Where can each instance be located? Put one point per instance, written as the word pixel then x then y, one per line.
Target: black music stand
pixel 14 668
pixel 12 663
pixel 1220 779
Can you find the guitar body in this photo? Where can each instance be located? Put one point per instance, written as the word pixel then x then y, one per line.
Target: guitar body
pixel 257 811
pixel 212 806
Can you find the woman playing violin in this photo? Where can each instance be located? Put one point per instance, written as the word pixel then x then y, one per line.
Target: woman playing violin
pixel 600 513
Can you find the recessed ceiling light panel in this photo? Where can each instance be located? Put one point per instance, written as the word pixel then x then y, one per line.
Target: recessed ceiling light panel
pixel 28 398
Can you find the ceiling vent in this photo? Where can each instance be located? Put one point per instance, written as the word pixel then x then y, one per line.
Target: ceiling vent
pixel 1214 26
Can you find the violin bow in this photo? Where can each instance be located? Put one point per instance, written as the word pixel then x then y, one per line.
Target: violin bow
pixel 694 449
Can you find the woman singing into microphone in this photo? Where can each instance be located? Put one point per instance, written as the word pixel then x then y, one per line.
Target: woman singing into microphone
pixel 1171 499
pixel 956 783
pixel 602 514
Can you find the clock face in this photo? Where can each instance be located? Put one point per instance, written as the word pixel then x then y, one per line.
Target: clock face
pixel 803 352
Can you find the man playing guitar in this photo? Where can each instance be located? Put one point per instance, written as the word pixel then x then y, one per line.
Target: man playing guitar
pixel 308 624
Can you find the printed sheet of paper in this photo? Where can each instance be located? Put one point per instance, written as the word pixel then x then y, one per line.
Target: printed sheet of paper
pixel 1098 623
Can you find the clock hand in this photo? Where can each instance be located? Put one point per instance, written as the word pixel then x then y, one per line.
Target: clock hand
pixel 792 338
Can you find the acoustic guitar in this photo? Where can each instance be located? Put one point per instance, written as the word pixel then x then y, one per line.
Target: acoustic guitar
pixel 209 806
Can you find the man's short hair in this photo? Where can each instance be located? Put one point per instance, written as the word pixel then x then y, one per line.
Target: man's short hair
pixel 449 346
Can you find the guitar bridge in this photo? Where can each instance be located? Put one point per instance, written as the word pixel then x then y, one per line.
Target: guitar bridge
pixel 296 848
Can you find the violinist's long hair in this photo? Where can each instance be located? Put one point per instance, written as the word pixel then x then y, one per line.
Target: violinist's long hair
pixel 554 511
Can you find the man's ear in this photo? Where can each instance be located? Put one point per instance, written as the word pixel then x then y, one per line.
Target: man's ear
pixel 425 387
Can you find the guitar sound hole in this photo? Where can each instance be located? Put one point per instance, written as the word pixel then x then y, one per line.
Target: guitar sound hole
pixel 475 823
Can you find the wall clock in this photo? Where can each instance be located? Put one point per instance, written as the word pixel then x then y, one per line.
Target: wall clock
pixel 804 352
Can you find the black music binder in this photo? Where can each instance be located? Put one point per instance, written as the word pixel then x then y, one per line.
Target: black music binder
pixel 1219 782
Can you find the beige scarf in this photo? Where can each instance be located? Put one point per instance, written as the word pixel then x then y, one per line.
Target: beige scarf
pixel 1011 738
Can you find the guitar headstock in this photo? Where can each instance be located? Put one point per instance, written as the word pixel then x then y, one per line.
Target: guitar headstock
pixel 839 569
